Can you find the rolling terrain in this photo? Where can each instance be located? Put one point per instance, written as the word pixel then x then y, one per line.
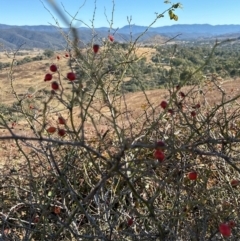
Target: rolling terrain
pixel 50 37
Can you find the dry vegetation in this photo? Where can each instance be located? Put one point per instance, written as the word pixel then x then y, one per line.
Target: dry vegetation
pixel 195 202
pixel 117 166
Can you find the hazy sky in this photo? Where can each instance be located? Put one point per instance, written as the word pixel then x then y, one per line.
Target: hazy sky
pixel 32 12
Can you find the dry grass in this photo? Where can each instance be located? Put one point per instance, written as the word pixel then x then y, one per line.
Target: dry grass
pixel 146 52
pixel 6 57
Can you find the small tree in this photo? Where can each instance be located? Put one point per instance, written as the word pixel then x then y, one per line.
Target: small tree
pixel 48 53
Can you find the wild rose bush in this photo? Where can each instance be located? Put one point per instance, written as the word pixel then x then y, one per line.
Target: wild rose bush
pixel 93 168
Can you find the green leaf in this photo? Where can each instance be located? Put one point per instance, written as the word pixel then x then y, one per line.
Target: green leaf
pixel 177 5
pixel 171 14
pixel 175 17
pixel 160 16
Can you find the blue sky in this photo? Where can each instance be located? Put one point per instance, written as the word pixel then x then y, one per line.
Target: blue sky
pixel 142 12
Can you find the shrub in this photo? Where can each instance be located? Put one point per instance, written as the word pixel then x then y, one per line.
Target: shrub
pixel 116 169
pixel 48 53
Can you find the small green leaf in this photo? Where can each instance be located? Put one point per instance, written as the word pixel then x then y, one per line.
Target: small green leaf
pixel 177 5
pixel 160 16
pixel 171 14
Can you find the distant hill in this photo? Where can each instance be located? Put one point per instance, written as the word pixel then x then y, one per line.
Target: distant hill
pixel 44 36
pixel 186 31
pixel 185 28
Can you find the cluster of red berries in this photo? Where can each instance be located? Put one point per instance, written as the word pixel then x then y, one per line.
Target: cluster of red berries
pixel 164 105
pixel 193 113
pixel 66 55
pixel 60 131
pixel 96 47
pixel 159 151
pixel 55 85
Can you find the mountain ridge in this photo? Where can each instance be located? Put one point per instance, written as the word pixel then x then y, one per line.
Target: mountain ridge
pixel 48 36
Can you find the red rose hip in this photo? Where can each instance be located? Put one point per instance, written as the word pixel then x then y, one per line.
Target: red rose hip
pixel 130 222
pixel 53 68
pixel 158 154
pixel 192 175
pixel 48 77
pixel 61 120
pixel 51 129
pixel 61 132
pixel 55 85
pixel 71 76
pixel 111 38
pixel 234 183
pixel 96 48
pixel 193 113
pixel 225 230
pixel 164 104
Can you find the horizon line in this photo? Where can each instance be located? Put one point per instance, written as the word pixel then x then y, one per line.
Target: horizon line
pixel 50 25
